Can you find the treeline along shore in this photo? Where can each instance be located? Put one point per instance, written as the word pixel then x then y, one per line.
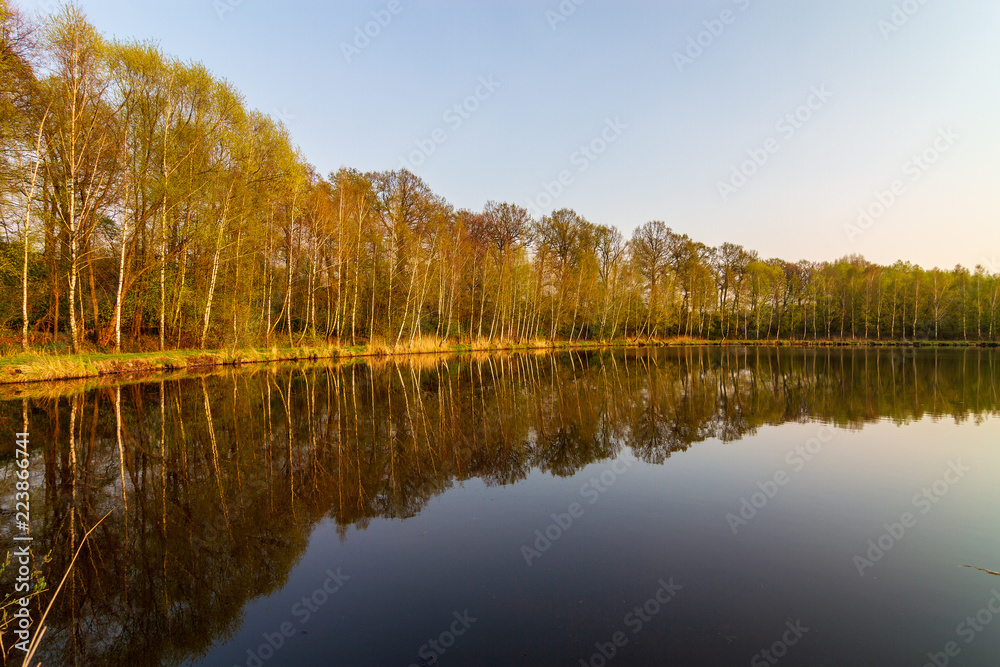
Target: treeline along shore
pixel 145 208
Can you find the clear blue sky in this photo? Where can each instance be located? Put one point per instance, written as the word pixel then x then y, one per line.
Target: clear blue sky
pixel 931 85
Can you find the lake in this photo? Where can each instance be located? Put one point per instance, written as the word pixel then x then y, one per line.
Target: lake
pixel 700 505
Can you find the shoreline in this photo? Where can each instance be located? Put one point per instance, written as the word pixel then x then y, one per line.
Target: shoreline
pixel 32 368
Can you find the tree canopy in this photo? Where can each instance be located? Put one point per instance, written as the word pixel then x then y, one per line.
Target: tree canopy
pixel 143 204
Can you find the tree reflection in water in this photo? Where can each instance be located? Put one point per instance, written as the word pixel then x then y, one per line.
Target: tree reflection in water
pixel 219 480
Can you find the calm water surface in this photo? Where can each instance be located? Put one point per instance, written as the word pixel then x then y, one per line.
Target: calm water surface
pixel 691 506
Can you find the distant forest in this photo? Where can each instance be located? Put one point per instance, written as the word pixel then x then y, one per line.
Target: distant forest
pixel 144 206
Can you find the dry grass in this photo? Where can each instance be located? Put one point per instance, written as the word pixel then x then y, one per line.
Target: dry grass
pixel 45 366
pixel 377 347
pixel 36 641
pixel 425 345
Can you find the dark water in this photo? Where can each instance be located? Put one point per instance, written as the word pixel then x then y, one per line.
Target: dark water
pixel 674 506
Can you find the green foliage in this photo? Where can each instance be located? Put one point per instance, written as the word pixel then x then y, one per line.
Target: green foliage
pixel 171 215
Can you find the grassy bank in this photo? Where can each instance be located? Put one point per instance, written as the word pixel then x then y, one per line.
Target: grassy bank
pixel 42 367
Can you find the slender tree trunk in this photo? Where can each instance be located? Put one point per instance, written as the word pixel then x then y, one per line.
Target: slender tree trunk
pixel 92 283
pixel 902 315
pixel 993 308
pixel 440 307
pixel 215 272
pixel 25 237
pixel 576 307
pixel 340 260
pixel 892 326
pixel 24 277
pixel 878 317
pixel 482 305
pixel 236 282
pixel 73 255
pixel 979 311
pixel 163 257
pixel 451 306
pixel 354 306
pixel 287 307
pixel 118 291
pixel 406 309
pixel 423 291
pixel 371 320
